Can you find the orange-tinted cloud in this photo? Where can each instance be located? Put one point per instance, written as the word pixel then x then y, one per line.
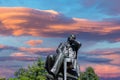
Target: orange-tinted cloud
pixel 18 54
pixel 48 23
pixel 107 70
pixel 2 46
pixel 34 42
pixel 37 50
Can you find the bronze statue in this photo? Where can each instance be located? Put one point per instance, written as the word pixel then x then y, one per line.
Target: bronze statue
pixel 67 50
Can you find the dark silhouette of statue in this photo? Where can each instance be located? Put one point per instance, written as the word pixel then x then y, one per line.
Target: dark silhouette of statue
pixel 69 49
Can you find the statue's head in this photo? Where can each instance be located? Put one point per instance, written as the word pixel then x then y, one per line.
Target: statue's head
pixel 71 38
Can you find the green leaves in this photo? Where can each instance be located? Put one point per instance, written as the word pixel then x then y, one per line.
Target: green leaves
pixel 34 72
pixel 89 74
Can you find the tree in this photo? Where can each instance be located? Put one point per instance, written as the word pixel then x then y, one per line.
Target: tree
pixel 89 74
pixel 34 72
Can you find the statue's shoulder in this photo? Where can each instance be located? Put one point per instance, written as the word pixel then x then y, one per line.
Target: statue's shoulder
pixel 64 44
pixel 67 44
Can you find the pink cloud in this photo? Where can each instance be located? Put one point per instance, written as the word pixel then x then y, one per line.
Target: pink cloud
pixel 2 46
pixel 18 54
pixel 49 23
pixel 107 70
pixel 106 62
pixel 112 54
pixel 116 40
pixel 34 42
pixel 103 70
pixel 37 50
pixel 114 58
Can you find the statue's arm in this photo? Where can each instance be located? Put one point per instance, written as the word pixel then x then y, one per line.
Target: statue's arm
pixel 60 48
pixel 77 45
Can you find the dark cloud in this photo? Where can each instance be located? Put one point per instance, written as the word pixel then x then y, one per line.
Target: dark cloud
pixel 23 51
pixel 9 48
pixel 10 66
pixel 103 56
pixel 18 58
pixel 113 78
pixel 94 59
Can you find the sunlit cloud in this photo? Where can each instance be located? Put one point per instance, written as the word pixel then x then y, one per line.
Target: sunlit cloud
pixel 2 46
pixel 38 51
pixel 18 54
pixel 24 51
pixel 49 23
pixel 108 70
pixel 34 42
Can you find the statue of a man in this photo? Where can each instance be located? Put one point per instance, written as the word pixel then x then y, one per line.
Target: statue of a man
pixel 68 49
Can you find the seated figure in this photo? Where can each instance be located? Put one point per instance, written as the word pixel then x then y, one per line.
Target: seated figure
pixel 69 49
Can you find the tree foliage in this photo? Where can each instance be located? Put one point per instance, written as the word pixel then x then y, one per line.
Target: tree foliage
pixel 89 74
pixel 34 72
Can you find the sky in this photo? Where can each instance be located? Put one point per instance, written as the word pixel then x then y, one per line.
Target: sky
pixel 29 29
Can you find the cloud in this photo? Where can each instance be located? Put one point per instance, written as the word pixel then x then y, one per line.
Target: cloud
pixel 97 60
pixel 108 70
pixel 94 59
pixel 34 42
pixel 49 23
pixel 6 72
pixel 39 51
pixel 103 70
pixel 5 47
pixel 117 40
pixel 106 56
pixel 104 51
pixel 18 58
pixel 18 54
pixel 104 61
pixel 115 78
pixel 2 46
pixel 24 51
